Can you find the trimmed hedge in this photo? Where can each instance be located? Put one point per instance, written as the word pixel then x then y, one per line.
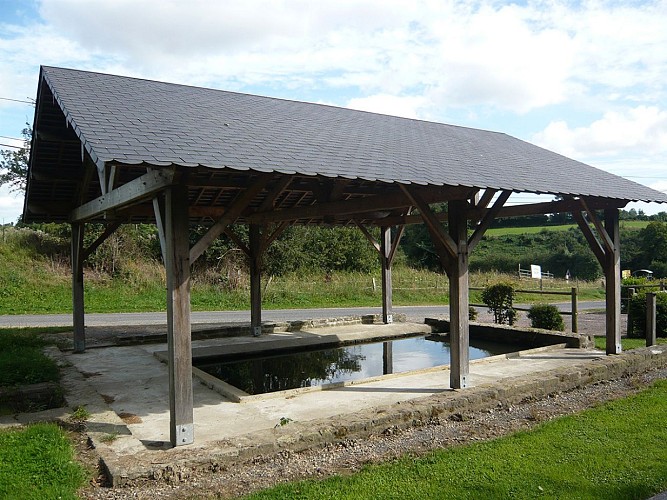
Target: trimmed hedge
pixel 546 316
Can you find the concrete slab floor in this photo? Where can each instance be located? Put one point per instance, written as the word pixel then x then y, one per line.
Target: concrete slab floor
pixel 133 383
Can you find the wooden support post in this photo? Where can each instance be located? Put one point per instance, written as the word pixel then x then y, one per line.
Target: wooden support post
pixel 612 273
pixel 650 319
pixel 575 311
pixel 385 259
pixel 458 297
pixel 255 280
pixel 181 422
pixel 387 358
pixel 78 313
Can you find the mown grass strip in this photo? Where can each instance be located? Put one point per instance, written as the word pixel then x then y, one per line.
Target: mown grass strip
pixel 615 451
pixel 626 343
pixel 37 463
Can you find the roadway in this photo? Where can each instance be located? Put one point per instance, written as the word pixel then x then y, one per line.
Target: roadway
pixel 413 313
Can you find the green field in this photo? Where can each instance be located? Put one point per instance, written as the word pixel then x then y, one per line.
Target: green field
pixel 501 231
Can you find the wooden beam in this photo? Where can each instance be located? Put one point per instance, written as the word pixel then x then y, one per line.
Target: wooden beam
pixel 179 335
pixel 237 241
pixel 593 243
pixel 274 193
pixel 78 313
pixel 159 212
pixel 550 207
pixel 487 220
pixel 270 238
pixel 430 220
pixel 108 231
pixel 128 194
pixel 233 212
pixel 394 245
pixel 486 198
pixel 369 237
pixel 607 244
pixel 354 206
pixel 459 329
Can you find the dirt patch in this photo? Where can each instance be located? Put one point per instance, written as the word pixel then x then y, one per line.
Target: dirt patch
pixel 130 418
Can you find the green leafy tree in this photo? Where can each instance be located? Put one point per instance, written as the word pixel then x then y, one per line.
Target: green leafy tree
pixel 499 298
pixel 14 164
pixel 654 244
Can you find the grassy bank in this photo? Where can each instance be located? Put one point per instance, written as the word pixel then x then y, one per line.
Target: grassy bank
pixel 43 291
pixel 615 451
pixel 37 463
pixel 35 279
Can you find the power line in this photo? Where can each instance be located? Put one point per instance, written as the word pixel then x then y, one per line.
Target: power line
pixel 32 103
pixel 10 146
pixel 12 138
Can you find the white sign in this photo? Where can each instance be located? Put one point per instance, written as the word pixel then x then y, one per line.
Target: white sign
pixel 535 272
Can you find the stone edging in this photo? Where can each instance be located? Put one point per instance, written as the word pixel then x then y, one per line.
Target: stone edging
pixel 175 464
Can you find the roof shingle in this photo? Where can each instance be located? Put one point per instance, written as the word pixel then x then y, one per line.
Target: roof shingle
pixel 129 120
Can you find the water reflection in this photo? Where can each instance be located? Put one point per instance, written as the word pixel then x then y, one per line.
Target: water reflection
pixel 312 368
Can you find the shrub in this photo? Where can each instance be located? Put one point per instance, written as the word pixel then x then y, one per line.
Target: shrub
pixel 499 299
pixel 472 313
pixel 546 316
pixel 637 315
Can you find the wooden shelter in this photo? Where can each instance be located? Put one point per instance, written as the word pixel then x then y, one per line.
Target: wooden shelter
pixel 115 150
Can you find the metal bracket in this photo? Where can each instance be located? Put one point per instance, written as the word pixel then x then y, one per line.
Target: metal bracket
pixel 185 434
pixel 390 319
pixel 256 331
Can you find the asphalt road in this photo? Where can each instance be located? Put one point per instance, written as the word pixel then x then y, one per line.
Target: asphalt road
pixel 417 313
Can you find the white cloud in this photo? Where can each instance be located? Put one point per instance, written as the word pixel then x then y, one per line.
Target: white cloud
pixel 642 129
pixel 544 65
pixel 407 107
pixel 454 53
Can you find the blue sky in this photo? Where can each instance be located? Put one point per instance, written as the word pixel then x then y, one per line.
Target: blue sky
pixel 585 79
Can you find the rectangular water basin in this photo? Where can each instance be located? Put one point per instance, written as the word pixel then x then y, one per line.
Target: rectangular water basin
pixel 320 367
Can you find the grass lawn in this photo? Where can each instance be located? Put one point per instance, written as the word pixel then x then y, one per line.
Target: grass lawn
pixel 615 451
pixel 38 463
pixel 626 343
pixel 22 360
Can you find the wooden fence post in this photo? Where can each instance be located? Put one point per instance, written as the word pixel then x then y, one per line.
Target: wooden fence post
pixel 650 319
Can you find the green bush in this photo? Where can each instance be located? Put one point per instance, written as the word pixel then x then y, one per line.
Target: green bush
pixel 499 298
pixel 472 313
pixel 546 316
pixel 637 315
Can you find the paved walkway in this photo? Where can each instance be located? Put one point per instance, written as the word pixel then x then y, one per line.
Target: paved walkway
pixel 128 386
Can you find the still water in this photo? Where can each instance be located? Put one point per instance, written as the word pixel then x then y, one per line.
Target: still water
pixel 317 367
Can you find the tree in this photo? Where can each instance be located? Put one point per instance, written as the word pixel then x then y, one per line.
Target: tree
pixel 14 164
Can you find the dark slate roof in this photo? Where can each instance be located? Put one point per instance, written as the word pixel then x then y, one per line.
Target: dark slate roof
pixel 133 121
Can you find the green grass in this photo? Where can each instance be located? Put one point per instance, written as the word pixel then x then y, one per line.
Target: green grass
pixel 501 231
pixel 38 463
pixel 615 451
pixel 22 360
pixel 626 343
